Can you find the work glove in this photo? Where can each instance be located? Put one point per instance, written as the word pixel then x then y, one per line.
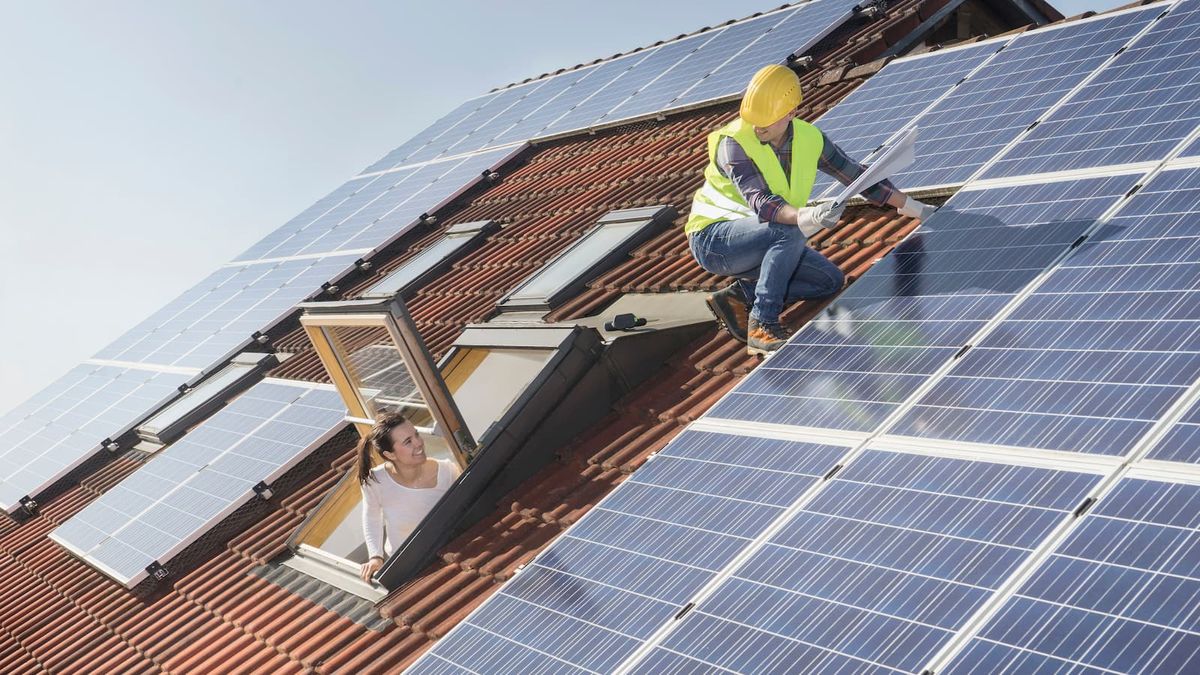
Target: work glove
pixel 813 219
pixel 915 209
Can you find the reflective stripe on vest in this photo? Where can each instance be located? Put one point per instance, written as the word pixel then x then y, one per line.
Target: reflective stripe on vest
pixel 718 199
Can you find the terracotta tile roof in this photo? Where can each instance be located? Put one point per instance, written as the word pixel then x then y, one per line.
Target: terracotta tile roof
pixel 58 614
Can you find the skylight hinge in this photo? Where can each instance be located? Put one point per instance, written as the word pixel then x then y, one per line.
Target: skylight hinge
pixel 29 504
pixel 1133 190
pixel 684 610
pixel 157 571
pixel 832 472
pixel 1075 244
pixel 263 491
pixel 962 351
pixel 1084 506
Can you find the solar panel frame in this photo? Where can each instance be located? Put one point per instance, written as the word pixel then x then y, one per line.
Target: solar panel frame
pixel 195 483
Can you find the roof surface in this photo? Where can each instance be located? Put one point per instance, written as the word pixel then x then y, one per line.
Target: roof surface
pixel 58 614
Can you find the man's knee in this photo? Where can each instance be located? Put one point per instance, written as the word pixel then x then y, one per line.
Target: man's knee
pixel 836 280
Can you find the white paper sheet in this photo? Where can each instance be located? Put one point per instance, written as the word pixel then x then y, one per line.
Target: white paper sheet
pixel 896 157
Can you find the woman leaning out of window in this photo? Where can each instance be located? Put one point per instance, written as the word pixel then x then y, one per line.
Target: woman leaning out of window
pixel 397 494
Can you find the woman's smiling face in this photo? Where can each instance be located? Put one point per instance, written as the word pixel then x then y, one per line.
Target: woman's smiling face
pixel 408 447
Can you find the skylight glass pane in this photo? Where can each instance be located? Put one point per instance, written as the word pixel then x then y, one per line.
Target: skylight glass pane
pixel 421 263
pixel 575 261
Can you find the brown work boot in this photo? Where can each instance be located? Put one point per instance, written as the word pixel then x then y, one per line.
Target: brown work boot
pixel 763 338
pixel 731 310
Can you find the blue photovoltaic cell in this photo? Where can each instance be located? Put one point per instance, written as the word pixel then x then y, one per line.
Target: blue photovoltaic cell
pixel 430 134
pixel 687 71
pixel 219 315
pixel 590 599
pixel 190 486
pixel 66 422
pixel 289 229
pixel 636 70
pixel 891 98
pixel 588 82
pixel 914 310
pixel 1100 351
pixel 467 127
pixel 372 212
pixel 798 31
pixel 1118 596
pixel 1182 441
pixel 1012 90
pixel 1137 109
pixel 878 571
pixel 536 96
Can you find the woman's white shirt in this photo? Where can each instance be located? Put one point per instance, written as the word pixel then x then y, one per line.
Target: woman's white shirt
pixel 400 509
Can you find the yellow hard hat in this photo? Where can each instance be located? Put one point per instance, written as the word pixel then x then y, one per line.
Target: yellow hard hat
pixel 774 91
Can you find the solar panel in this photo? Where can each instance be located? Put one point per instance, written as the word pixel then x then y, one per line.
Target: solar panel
pixel 796 33
pixel 587 602
pixel 878 571
pixel 218 316
pixel 699 68
pixel 917 308
pixel 683 82
pixel 375 211
pixel 891 98
pixel 196 482
pixel 65 423
pixel 1119 595
pixel 1137 108
pixel 1182 440
pixel 434 131
pixel 1099 351
pixel 961 132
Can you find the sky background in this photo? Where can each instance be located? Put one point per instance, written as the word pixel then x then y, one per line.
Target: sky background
pixel 144 144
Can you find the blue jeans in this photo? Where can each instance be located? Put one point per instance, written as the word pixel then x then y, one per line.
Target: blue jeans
pixel 774 255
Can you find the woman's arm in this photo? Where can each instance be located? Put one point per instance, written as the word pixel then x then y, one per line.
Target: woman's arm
pixel 372 522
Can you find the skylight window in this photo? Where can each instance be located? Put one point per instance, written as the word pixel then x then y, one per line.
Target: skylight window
pixel 432 259
pixel 200 401
pixel 614 236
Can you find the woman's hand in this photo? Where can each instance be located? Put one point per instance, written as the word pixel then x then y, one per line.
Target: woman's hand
pixel 370 567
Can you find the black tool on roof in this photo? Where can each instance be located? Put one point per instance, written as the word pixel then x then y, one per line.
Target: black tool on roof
pixel 624 322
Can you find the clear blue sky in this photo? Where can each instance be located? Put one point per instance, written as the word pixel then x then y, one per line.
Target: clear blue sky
pixel 143 144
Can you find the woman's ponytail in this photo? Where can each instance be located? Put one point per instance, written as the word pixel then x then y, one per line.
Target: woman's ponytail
pixel 378 440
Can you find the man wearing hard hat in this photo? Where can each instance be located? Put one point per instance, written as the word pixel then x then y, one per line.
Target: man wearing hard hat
pixel 749 220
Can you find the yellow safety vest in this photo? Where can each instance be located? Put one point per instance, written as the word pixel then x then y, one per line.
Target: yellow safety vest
pixel 719 198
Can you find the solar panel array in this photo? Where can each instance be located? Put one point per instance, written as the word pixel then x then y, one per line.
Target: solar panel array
pixel 986 387
pixel 60 426
pixel 696 69
pixel 194 483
